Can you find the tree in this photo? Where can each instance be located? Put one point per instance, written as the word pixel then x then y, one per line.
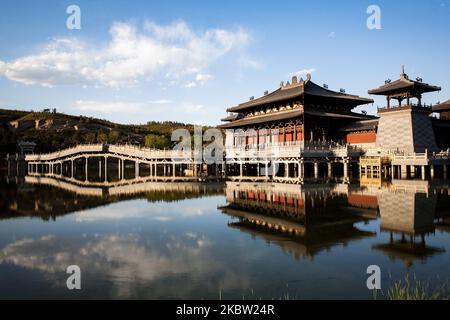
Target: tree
pixel 90 137
pixel 113 136
pixel 102 137
pixel 157 141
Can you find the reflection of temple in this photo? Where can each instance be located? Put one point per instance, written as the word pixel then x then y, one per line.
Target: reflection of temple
pixel 408 213
pixel 51 197
pixel 302 221
pixel 306 220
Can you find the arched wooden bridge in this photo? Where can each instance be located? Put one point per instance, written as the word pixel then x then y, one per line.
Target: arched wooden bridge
pixel 161 165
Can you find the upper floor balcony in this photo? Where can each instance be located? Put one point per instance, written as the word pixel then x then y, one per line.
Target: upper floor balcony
pixel 294 149
pixel 411 106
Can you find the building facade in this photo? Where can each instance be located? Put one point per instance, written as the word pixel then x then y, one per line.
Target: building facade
pixel 300 130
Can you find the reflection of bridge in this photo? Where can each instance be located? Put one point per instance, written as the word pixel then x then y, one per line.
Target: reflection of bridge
pixel 161 165
pixel 120 188
pixel 51 197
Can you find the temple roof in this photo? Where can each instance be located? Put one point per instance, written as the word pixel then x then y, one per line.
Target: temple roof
pixel 295 90
pixel 363 125
pixel 404 84
pixel 291 114
pixel 263 118
pixel 232 117
pixel 444 106
pixel 339 114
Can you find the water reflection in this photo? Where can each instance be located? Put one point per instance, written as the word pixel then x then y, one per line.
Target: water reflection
pixel 145 239
pixel 124 260
pixel 48 197
pixel 308 220
pixel 408 213
pixel 300 221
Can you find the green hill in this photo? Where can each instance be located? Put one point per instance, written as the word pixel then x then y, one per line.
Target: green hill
pixel 52 131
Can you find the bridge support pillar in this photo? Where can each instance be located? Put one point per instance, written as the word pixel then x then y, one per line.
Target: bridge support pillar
pixel 423 173
pixel 86 162
pixel 301 171
pixel 106 169
pixel 316 170
pixel 432 171
pixel 404 171
pixel 412 171
pixel 122 168
pixel 100 168
pixel 136 169
pixel 330 169
pixel 118 168
pixel 346 165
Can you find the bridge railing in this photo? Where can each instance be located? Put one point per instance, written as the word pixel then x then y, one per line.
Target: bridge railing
pixel 147 153
pixel 123 150
pixel 292 150
pixel 82 148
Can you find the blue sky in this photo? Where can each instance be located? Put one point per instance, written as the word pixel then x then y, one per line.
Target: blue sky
pixel 136 61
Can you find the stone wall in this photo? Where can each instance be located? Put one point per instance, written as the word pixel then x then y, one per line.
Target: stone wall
pixel 405 130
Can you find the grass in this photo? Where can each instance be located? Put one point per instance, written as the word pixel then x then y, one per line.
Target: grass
pixel 415 289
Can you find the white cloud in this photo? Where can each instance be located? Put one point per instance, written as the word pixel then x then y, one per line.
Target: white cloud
pixel 200 80
pixel 203 78
pixel 174 51
pixel 193 108
pixel 2 67
pixel 247 62
pixel 161 101
pixel 302 72
pixel 108 106
pixel 191 84
pixel 128 262
pixel 332 34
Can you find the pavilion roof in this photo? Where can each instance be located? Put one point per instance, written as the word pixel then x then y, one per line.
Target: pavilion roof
pixel 404 84
pixel 297 90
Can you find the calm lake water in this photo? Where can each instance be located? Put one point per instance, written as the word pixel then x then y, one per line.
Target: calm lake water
pixel 151 240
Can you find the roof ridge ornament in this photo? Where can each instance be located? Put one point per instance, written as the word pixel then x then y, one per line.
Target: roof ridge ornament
pixel 308 77
pixel 403 75
pixel 294 80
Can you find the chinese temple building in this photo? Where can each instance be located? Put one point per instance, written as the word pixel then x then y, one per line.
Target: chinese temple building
pixel 306 131
pixel 299 130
